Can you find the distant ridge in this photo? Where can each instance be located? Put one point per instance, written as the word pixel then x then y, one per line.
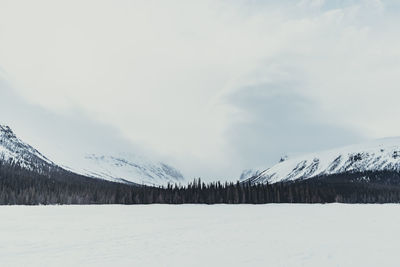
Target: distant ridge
pixel 377 155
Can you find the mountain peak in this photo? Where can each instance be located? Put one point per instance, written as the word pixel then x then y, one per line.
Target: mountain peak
pixel 6 131
pixel 12 149
pixel 284 158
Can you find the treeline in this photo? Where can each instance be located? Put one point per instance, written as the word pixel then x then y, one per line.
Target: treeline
pixel 57 186
pixel 368 187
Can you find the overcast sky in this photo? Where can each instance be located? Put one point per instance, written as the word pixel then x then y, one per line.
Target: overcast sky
pixel 211 87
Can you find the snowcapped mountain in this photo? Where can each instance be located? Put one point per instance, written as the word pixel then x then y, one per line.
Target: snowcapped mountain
pixel 14 150
pixel 377 155
pixel 124 168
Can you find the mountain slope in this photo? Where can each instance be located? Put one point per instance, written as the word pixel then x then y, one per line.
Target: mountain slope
pixel 126 168
pixel 377 155
pixel 123 168
pixel 14 150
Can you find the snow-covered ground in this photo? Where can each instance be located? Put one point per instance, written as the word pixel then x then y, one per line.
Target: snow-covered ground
pixel 200 235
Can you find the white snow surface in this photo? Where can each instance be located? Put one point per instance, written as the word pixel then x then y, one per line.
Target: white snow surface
pixel 381 154
pixel 200 235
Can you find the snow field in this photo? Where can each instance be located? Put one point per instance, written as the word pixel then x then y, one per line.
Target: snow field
pixel 200 235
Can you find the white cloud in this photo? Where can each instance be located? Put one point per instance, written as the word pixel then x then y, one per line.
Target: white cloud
pixel 162 71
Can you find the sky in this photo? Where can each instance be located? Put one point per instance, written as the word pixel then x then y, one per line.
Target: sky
pixel 212 87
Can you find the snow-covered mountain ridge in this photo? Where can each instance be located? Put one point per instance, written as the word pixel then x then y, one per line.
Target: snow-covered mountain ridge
pixel 14 150
pixel 377 155
pixel 124 167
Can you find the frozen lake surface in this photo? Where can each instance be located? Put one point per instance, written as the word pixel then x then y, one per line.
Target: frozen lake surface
pixel 200 235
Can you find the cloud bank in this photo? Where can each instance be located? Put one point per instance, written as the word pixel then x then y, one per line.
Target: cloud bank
pixel 214 86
